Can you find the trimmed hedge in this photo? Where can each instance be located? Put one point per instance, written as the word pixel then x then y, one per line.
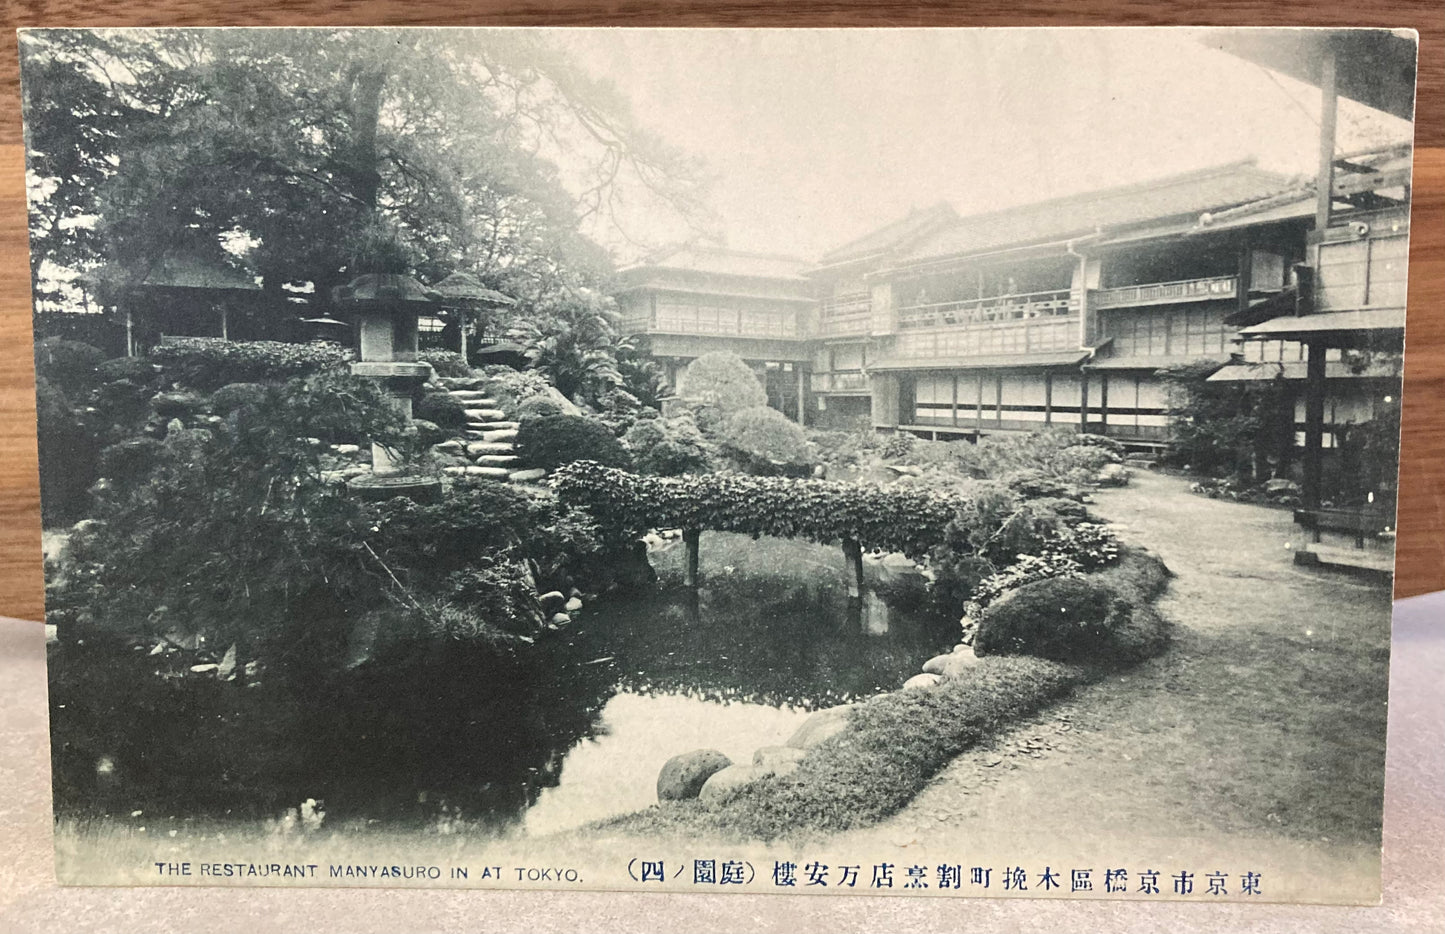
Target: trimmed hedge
pixel 208 363
pixel 1103 619
pixel 910 521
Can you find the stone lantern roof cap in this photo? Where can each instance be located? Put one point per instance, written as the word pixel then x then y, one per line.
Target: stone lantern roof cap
pixel 382 288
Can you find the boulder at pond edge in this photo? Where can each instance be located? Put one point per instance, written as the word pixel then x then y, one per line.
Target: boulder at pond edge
pixel 683 776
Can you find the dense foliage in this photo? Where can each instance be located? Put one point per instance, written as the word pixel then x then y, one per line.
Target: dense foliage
pixel 442 408
pixel 553 440
pixel 765 440
pixel 445 362
pixel 825 511
pixel 1238 428
pixel 208 363
pixel 668 447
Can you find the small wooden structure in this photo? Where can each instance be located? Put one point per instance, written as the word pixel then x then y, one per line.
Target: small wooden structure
pixel 180 295
pixel 463 296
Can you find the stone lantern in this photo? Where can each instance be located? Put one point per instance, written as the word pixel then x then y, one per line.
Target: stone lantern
pixel 385 307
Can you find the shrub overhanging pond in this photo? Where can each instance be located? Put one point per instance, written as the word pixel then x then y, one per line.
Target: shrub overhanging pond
pixel 910 521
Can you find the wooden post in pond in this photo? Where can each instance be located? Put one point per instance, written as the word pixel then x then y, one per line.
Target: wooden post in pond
pixel 853 555
pixel 691 537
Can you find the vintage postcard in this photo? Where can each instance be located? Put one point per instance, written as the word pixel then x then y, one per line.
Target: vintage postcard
pixel 944 462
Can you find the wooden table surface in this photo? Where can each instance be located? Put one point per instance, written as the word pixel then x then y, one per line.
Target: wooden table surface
pixel 1421 545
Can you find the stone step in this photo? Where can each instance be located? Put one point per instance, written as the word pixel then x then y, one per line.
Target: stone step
pixel 480 448
pixel 498 460
pixel 477 434
pixel 490 473
pixel 506 434
pixel 486 415
pixel 461 383
pixel 474 399
pixel 526 476
pixel 493 426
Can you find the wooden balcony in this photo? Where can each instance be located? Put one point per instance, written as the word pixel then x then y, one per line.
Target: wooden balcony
pixel 1166 293
pixel 846 317
pixel 1041 334
pixel 719 322
pixel 988 311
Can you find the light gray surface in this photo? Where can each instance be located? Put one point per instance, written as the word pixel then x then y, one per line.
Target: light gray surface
pixel 31 901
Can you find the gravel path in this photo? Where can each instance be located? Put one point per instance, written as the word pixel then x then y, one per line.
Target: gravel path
pixel 1262 728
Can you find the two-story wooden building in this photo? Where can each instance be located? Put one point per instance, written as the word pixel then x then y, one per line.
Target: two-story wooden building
pixel 695 300
pixel 1060 313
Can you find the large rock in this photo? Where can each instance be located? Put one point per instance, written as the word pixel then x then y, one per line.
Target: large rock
pixel 821 725
pixel 530 475
pixel 682 777
pixel 453 447
pixel 724 782
pixel 952 665
pixel 925 680
pixel 553 601
pixel 777 760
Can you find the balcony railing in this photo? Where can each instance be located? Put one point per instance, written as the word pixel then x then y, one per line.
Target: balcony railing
pixel 985 311
pixel 1041 334
pixel 845 381
pixel 844 317
pixel 1163 293
pixel 722 322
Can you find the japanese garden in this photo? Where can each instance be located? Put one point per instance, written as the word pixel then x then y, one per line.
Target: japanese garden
pixel 383 496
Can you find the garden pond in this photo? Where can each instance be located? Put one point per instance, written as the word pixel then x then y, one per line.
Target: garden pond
pixel 574 732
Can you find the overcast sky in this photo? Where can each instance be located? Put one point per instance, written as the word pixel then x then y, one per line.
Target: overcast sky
pixel 814 137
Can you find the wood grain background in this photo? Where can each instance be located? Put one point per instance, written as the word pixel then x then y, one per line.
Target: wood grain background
pixel 1421 565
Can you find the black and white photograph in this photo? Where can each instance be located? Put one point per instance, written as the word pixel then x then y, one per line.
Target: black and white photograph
pixel 941 462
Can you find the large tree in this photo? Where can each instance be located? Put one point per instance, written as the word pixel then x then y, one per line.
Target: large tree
pixel 306 150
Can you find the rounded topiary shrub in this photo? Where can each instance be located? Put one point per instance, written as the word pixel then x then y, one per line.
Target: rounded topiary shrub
pixel 553 440
pixel 721 383
pixel 762 437
pixel 1070 620
pixel 667 447
pixel 538 407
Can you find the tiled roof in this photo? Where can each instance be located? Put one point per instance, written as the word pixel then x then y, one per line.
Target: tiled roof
pixel 191 272
pixel 714 261
pixel 1082 214
pixel 896 235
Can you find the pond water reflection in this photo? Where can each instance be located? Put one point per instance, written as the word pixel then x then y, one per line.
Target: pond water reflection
pixel 736 666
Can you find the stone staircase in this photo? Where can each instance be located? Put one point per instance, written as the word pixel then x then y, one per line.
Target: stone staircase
pixel 490 441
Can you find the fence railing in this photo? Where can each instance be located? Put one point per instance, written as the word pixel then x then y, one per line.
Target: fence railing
pixel 1163 293
pixel 990 310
